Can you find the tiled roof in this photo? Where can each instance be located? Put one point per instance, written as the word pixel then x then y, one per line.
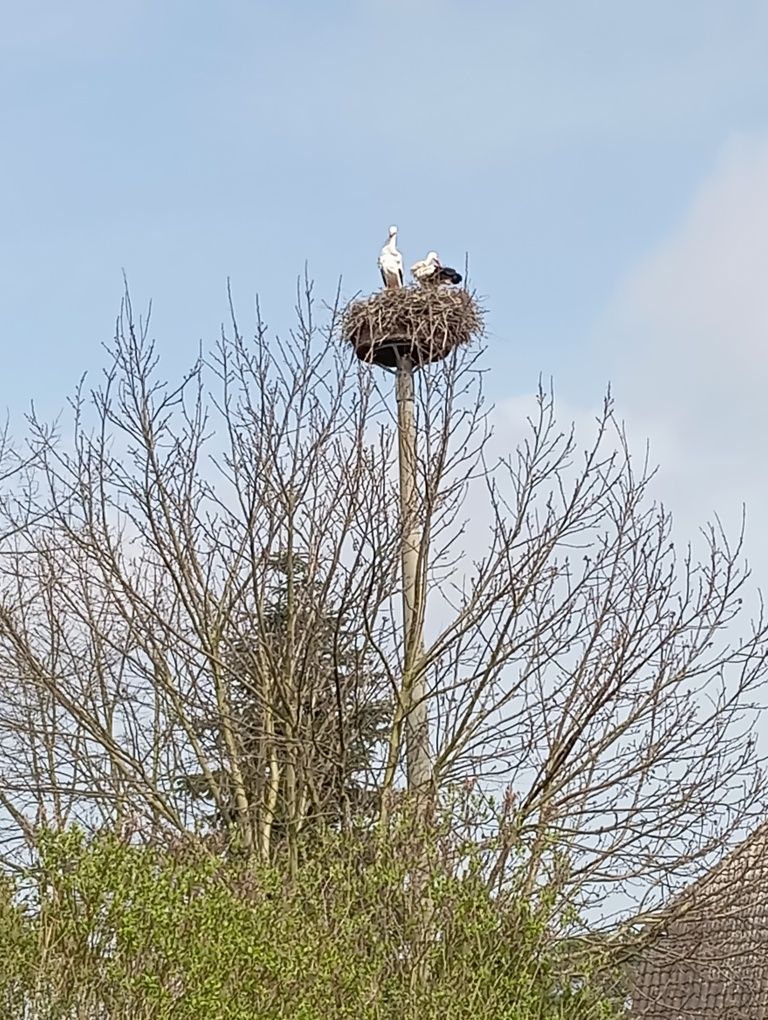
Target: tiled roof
pixel 711 963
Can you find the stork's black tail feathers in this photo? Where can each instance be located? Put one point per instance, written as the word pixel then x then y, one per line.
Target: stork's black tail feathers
pixel 447 275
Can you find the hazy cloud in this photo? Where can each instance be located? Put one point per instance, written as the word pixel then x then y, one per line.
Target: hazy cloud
pixel 686 339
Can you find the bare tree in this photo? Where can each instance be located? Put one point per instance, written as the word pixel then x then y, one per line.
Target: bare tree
pixel 610 684
pixel 129 612
pixel 605 684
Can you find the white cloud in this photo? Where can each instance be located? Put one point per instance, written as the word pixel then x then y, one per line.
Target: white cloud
pixel 686 342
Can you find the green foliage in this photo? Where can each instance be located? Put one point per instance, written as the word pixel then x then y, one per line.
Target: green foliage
pixel 17 951
pixel 138 932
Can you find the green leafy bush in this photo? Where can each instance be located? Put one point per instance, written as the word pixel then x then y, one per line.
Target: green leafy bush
pixel 119 931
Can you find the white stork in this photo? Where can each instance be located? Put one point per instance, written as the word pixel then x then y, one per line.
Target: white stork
pixel 429 271
pixel 391 262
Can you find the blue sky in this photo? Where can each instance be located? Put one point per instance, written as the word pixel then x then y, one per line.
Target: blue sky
pixel 594 159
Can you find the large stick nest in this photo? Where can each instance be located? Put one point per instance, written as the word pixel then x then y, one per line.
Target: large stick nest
pixel 426 323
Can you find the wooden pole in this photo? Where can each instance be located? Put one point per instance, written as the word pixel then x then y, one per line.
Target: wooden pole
pixel 418 757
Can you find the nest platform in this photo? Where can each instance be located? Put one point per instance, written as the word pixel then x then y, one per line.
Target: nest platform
pixel 426 323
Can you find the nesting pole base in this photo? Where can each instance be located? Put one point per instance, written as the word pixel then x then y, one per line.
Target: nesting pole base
pixel 417 750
